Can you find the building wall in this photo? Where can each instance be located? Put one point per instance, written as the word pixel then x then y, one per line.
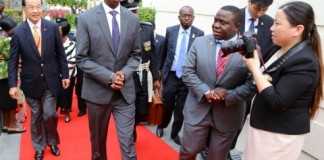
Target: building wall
pixel 167 12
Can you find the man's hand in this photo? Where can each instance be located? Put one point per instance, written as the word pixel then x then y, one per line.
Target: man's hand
pixel 118 81
pixel 209 96
pixel 65 83
pixel 14 92
pixel 157 85
pixel 219 94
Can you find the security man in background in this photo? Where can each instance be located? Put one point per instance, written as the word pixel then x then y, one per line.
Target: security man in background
pixel 143 77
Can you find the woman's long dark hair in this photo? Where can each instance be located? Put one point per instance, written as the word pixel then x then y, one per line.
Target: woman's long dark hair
pixel 301 13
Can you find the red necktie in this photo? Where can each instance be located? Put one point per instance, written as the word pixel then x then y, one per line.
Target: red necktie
pixel 220 64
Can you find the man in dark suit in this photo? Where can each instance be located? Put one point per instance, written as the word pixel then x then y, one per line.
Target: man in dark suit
pixel 108 52
pixel 44 70
pixel 218 86
pixel 255 20
pixel 178 41
pixel 143 75
pixel 157 61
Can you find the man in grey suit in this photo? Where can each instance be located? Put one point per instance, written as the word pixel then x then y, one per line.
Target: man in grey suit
pixel 108 53
pixel 218 85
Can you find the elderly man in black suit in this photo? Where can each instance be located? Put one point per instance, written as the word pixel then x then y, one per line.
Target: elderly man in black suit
pixel 178 41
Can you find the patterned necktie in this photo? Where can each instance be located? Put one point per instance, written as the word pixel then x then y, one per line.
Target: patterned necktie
pixel 182 54
pixel 115 36
pixel 37 39
pixel 251 27
pixel 220 63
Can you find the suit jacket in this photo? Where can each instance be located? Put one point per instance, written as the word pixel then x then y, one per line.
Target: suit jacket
pixel 157 57
pixel 264 33
pixel 284 107
pixel 200 76
pixel 96 57
pixel 171 45
pixel 38 72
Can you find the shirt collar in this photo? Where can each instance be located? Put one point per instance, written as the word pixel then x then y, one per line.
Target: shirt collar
pixel 181 29
pixel 31 24
pixel 248 16
pixel 220 41
pixel 108 9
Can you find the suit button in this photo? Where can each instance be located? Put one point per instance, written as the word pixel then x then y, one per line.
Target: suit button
pixel 42 75
pixel 42 65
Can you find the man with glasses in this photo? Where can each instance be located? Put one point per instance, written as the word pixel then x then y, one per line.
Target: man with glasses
pixel 44 71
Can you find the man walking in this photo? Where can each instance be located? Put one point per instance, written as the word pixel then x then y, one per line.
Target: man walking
pixel 44 71
pixel 215 104
pixel 108 52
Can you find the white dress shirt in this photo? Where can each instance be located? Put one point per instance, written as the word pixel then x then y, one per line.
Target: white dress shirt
pixel 110 17
pixel 177 54
pixel 248 21
pixel 38 25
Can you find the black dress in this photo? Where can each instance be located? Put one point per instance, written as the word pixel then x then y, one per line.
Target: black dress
pixel 6 102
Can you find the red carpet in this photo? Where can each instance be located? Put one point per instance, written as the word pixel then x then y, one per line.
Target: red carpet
pixel 75 143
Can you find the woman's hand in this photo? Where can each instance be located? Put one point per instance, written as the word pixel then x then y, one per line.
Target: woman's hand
pixel 253 64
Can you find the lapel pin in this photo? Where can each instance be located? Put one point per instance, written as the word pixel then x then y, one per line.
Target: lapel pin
pixel 193 35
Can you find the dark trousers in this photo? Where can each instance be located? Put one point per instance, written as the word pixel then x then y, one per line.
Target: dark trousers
pixel 1 121
pixel 78 90
pixel 141 102
pixel 65 97
pixel 197 137
pixel 247 112
pixel 124 115
pixel 173 96
pixel 43 121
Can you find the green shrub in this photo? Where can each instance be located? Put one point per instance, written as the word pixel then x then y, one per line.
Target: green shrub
pixel 71 19
pixel 14 13
pixel 146 14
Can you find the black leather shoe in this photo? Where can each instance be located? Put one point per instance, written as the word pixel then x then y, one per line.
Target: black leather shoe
pixel 204 154
pixel 55 150
pixel 176 140
pixel 39 155
pixel 159 132
pixel 81 113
